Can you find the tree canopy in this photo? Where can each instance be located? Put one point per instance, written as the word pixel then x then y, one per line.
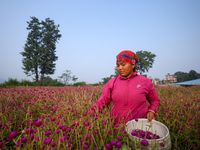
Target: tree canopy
pixel 184 76
pixel 39 50
pixel 145 61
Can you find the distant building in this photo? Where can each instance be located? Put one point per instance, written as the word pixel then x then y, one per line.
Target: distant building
pixel 170 78
pixel 155 81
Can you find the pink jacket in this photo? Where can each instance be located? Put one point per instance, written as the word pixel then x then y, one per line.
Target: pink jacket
pixel 129 98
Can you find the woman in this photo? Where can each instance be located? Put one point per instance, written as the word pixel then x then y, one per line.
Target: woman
pixel 129 92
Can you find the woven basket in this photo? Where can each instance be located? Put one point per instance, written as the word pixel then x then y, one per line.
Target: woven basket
pixel 156 128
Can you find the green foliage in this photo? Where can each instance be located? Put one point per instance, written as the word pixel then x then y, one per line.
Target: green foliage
pixel 12 82
pixel 66 77
pixel 27 83
pixel 183 76
pixel 79 84
pixel 106 79
pixel 47 82
pixel 116 72
pixel 39 50
pixel 74 78
pixel 145 62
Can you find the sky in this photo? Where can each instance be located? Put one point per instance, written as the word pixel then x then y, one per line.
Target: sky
pixel 95 31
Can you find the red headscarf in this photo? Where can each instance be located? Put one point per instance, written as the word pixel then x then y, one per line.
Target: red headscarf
pixel 127 57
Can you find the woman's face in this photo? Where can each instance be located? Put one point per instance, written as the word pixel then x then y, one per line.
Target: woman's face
pixel 125 69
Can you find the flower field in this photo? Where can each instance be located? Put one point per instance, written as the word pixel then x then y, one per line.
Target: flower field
pixel 55 118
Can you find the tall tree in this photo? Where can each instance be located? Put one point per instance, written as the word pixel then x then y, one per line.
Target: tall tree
pixel 74 78
pixel 39 51
pixel 192 75
pixel 50 35
pixel 32 49
pixel 145 62
pixel 181 76
pixel 66 77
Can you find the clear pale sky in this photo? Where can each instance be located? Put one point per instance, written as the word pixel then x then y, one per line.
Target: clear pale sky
pixel 95 31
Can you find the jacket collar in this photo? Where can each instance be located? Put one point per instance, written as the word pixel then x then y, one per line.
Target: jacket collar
pixel 125 78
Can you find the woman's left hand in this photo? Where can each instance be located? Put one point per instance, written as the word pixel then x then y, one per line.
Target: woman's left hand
pixel 150 116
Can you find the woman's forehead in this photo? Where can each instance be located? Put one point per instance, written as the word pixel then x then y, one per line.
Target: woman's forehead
pixel 120 63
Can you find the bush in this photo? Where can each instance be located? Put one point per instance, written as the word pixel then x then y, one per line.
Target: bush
pixel 26 83
pixel 79 84
pixel 12 82
pixel 2 85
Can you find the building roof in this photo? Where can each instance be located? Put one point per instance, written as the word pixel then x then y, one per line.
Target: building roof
pixel 191 82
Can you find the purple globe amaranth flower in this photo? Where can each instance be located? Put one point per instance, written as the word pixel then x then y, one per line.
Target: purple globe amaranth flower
pixel 89 128
pixel 48 141
pixel 133 133
pixel 143 133
pixel 186 141
pixel 116 126
pixel 144 143
pixel 87 136
pixel 95 148
pixel 96 118
pixel 29 131
pixel 62 139
pixel 48 133
pixel 76 124
pixel 17 144
pixel 38 123
pixel 108 147
pixel 136 120
pixel 57 131
pixel 51 109
pixel 53 119
pixel 53 144
pixel 85 147
pixel 162 144
pixel 30 123
pixel 32 137
pixel 24 139
pixel 69 144
pixel 113 143
pixel 61 126
pixel 35 131
pixel 69 129
pixel 191 124
pixel 64 129
pixel 105 122
pixel 12 135
pixel 86 123
pixel 119 139
pixel 1 144
pixel 119 145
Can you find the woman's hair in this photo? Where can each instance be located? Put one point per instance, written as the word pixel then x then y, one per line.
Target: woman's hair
pixel 134 69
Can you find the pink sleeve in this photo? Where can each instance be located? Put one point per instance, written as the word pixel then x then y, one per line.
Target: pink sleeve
pixel 103 101
pixel 153 98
